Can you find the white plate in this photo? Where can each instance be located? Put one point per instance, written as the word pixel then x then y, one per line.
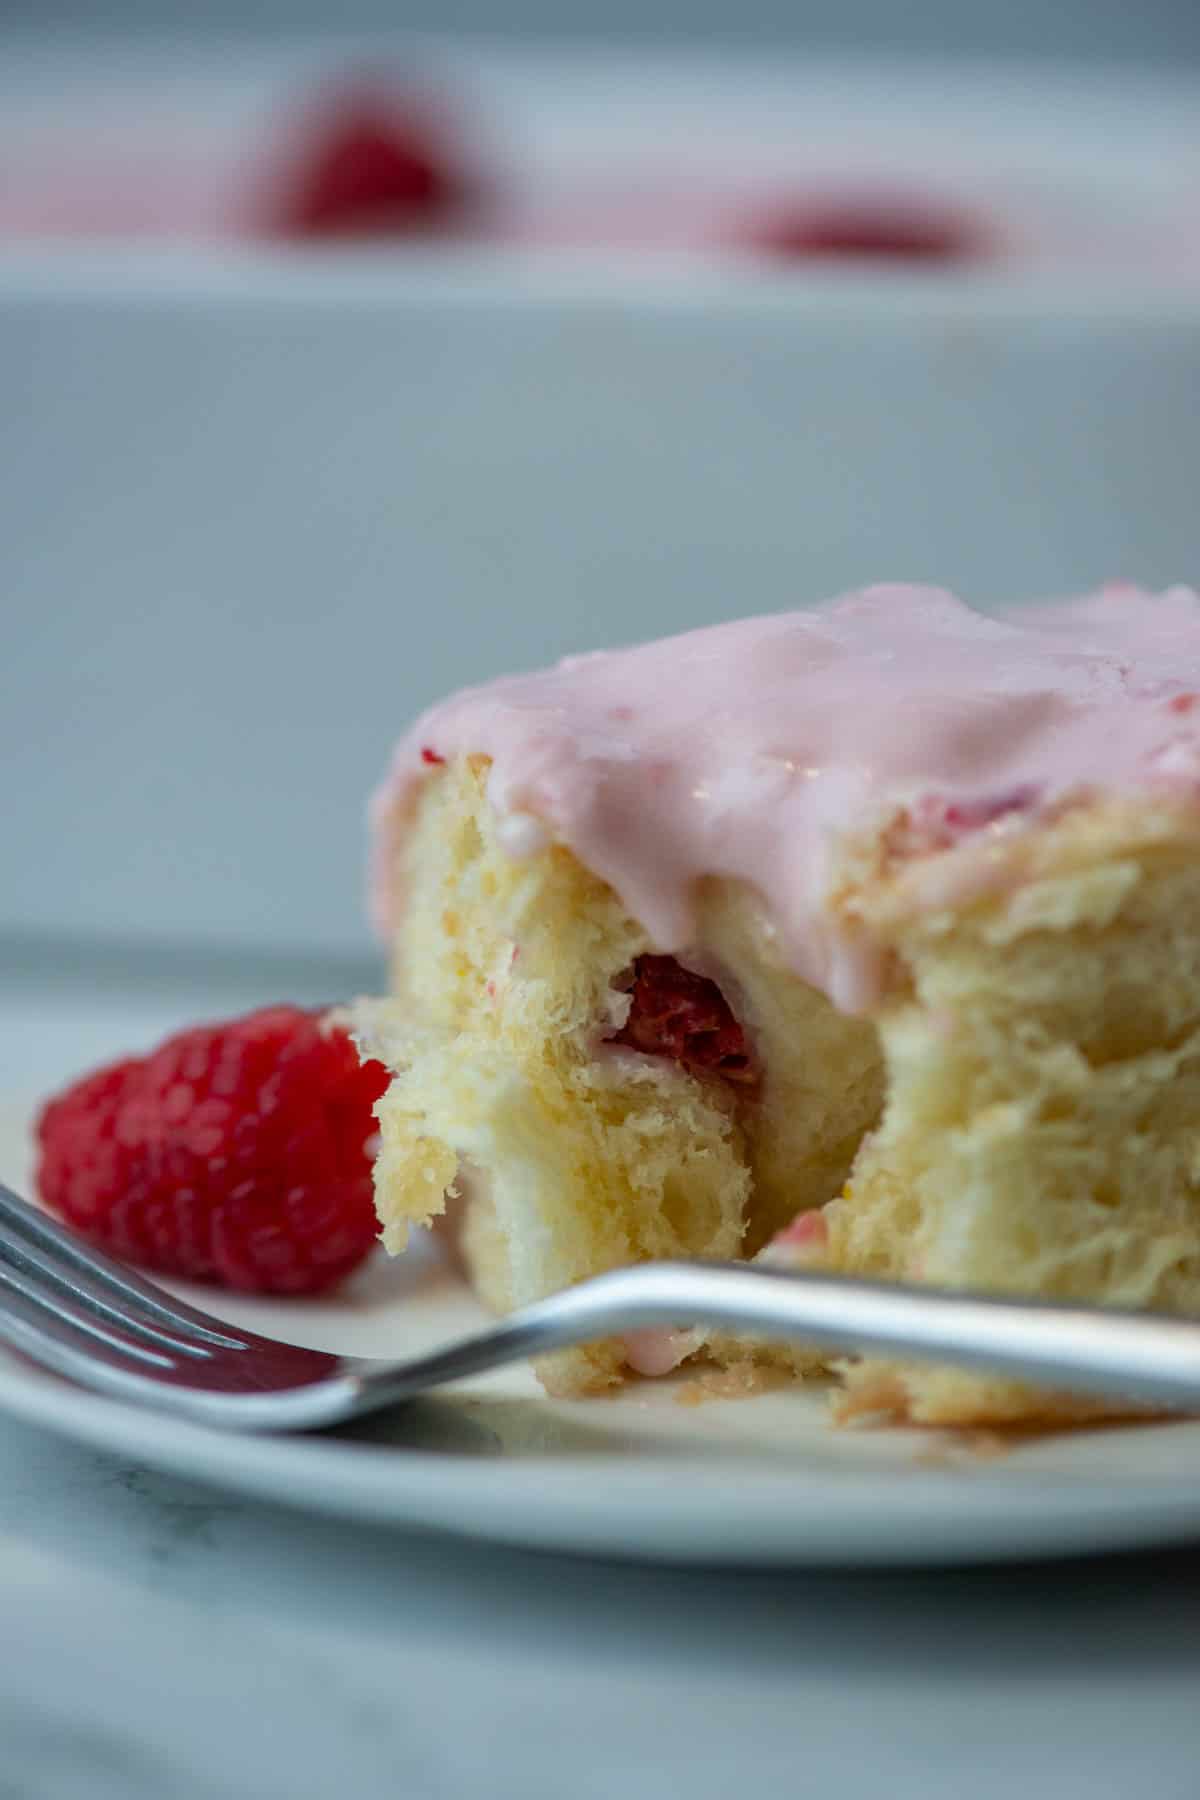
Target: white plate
pixel 760 1480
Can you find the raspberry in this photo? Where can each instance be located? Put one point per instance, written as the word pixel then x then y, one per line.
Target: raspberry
pixel 366 168
pixel 685 1016
pixel 891 231
pixel 234 1153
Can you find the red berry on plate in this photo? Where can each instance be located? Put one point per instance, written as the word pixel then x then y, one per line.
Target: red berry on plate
pixel 364 165
pixel 234 1153
pixel 676 1013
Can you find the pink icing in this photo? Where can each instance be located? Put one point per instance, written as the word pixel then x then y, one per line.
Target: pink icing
pixel 753 749
pixel 802 1244
pixel 807 1231
pixel 657 1349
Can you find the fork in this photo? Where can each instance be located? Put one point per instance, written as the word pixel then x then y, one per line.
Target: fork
pixel 85 1316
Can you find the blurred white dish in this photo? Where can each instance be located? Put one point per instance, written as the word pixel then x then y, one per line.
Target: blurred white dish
pixel 762 1480
pixel 1065 168
pixel 263 503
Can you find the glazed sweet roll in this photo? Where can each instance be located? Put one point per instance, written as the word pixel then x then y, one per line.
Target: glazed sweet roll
pixel 863 938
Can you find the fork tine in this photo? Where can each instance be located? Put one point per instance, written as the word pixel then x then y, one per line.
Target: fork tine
pixel 39 1318
pixel 106 1283
pixel 295 1389
pixel 75 1294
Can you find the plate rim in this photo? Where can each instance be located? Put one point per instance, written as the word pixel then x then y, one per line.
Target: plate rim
pixel 534 1502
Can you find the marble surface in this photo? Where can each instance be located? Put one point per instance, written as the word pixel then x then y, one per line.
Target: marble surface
pixel 165 1642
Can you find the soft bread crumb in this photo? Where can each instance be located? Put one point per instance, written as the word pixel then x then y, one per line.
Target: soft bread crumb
pixel 594 1157
pixel 737 1381
pixel 1048 1145
pixel 1041 1133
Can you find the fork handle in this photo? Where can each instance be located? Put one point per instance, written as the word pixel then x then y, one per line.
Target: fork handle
pixel 1142 1357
